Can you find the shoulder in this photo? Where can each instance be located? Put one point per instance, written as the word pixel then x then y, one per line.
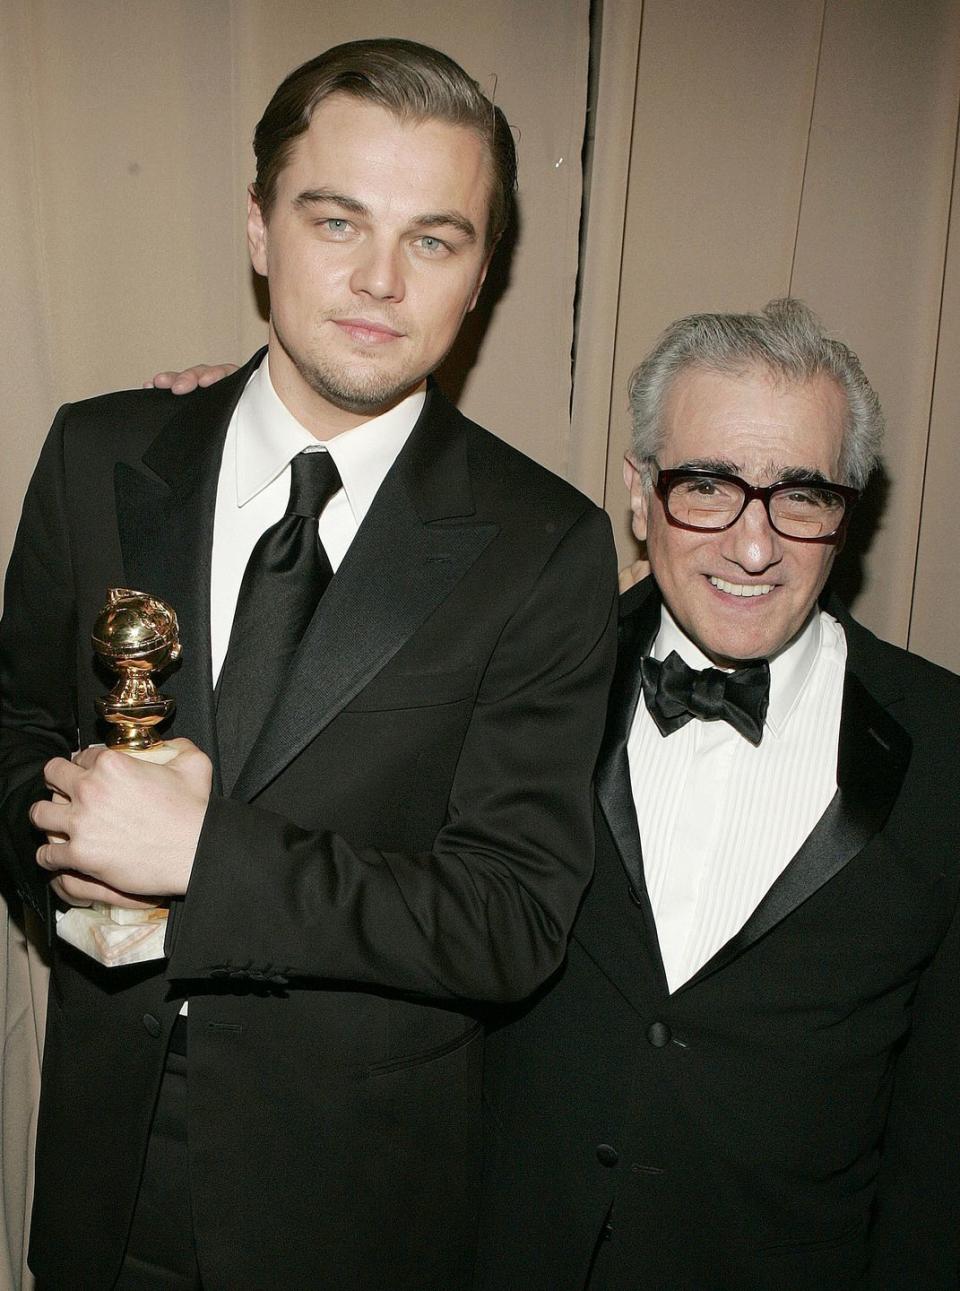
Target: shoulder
pixel 499 469
pixel 501 465
pixel 88 437
pixel 124 423
pixel 922 696
pixel 130 419
pixel 530 505
pixel 890 664
pixel 120 417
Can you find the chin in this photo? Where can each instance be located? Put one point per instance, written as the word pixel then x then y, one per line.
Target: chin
pixel 365 393
pixel 358 395
pixel 728 654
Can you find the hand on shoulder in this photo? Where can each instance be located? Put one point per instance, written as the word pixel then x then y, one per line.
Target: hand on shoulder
pixel 201 374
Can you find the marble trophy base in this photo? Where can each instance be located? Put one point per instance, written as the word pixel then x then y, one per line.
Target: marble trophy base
pixel 113 935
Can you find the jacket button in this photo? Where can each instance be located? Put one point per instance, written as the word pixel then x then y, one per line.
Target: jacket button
pixel 151 1025
pixel 607 1155
pixel 658 1033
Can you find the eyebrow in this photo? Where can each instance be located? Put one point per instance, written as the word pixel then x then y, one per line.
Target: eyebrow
pixel 430 220
pixel 312 196
pixel 449 220
pixel 720 465
pixel 779 475
pixel 803 475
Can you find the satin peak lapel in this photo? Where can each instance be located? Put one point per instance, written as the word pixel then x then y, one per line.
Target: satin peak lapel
pixel 612 940
pixel 873 756
pixel 636 632
pixel 415 544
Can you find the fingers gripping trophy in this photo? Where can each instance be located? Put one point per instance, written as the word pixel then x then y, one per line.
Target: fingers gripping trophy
pixel 135 635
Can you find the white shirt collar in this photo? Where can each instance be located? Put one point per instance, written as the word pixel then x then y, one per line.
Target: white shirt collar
pixel 269 437
pixel 789 668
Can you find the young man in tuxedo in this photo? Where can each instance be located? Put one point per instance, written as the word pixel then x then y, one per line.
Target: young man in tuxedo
pixel 747 1073
pixel 397 639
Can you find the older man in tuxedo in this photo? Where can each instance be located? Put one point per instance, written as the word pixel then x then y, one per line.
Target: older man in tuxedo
pixel 746 1075
pixel 397 638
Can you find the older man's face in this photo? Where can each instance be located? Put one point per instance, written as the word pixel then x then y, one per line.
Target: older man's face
pixel 743 592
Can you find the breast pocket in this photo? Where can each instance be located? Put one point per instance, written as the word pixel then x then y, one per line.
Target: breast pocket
pixel 394 690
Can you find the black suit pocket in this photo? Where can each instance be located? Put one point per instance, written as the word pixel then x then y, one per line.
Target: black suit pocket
pixel 390 690
pixel 407 1061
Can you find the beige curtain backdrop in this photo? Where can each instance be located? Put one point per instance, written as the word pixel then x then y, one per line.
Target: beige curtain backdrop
pixel 737 150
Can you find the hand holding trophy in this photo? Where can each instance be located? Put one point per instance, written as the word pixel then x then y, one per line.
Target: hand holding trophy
pixel 135 635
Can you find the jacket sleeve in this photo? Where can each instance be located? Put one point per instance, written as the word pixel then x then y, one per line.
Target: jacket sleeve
pixel 38 718
pixel 915 1241
pixel 485 913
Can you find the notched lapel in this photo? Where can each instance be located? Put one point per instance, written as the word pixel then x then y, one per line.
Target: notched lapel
pixel 873 756
pixel 165 508
pixel 412 549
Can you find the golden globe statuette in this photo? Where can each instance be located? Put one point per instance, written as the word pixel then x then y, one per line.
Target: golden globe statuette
pixel 135 635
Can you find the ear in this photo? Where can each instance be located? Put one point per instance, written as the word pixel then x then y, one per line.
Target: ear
pixel 481 278
pixel 256 234
pixel 636 481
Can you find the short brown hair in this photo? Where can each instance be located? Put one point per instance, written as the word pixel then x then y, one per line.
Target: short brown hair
pixel 412 81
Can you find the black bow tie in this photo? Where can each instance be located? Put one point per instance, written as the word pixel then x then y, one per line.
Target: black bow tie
pixel 674 693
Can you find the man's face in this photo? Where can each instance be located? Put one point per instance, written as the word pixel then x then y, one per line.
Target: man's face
pixel 743 592
pixel 374 250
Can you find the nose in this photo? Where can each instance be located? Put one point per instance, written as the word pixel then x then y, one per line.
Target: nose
pixel 378 271
pixel 752 543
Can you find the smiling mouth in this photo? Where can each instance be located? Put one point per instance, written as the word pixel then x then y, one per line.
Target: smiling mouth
pixel 741 589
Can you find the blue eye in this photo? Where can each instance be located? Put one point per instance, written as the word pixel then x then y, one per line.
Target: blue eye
pixel 335 225
pixel 433 246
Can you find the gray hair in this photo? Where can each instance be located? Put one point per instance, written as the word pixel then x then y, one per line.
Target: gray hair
pixel 788 340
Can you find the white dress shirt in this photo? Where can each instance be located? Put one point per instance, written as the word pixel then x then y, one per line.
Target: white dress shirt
pixel 720 818
pixel 262 439
pixel 254 486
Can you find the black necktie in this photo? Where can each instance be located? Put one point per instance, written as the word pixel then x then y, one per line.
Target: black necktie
pixel 674 693
pixel 287 573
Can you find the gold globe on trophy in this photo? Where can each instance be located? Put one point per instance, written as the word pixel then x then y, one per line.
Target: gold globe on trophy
pixel 135 635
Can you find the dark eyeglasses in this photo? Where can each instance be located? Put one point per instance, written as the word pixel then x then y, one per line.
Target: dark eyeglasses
pixel 712 500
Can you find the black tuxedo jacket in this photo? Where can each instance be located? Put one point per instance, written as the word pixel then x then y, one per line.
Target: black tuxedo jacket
pixel 790 1117
pixel 402 851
